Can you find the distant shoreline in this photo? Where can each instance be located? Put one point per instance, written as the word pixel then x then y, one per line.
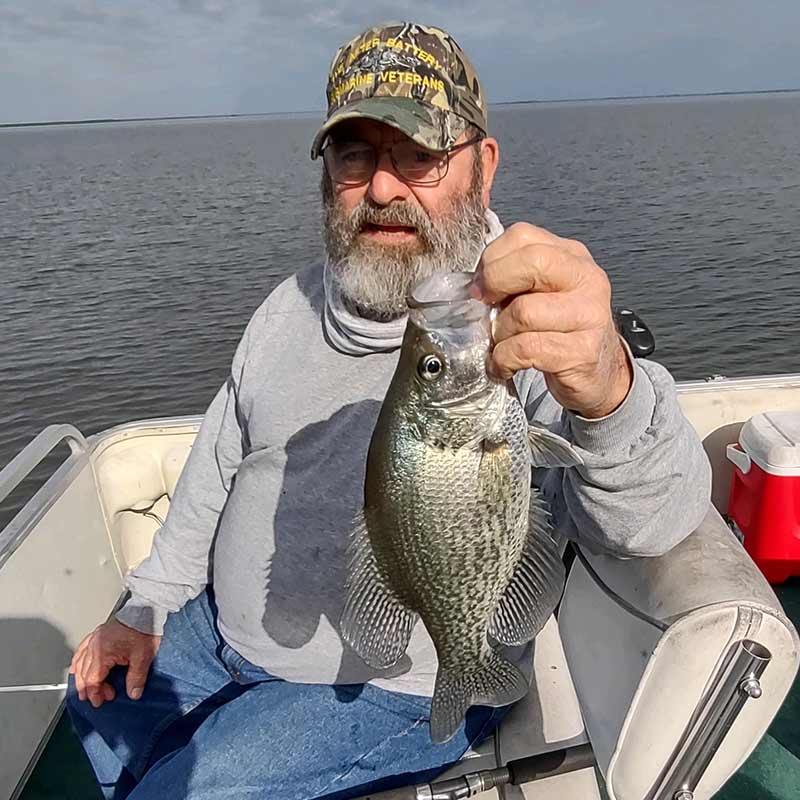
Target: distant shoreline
pixel 112 120
pixel 644 97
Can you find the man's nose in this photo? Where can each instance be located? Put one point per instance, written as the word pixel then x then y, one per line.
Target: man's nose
pixel 385 185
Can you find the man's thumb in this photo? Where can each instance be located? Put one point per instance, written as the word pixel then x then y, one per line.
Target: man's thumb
pixel 137 676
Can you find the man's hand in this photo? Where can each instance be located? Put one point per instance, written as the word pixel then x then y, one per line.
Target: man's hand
pixel 109 645
pixel 555 317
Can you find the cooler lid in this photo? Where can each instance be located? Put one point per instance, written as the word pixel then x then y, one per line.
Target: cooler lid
pixel 772 440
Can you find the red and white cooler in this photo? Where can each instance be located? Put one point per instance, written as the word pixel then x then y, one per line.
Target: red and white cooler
pixel 765 492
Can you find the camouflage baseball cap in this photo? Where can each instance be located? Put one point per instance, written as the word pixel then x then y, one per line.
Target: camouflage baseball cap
pixel 415 78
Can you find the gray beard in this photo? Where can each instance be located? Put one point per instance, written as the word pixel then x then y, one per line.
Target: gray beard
pixel 375 279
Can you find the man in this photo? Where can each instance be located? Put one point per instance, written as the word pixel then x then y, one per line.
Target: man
pixel 245 690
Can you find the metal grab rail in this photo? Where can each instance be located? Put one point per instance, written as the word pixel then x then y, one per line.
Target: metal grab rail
pixel 21 467
pixel 39 448
pixel 736 684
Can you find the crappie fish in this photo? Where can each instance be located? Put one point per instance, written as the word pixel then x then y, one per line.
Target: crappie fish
pixel 451 530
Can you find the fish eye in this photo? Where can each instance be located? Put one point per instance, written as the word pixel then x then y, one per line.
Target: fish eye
pixel 430 367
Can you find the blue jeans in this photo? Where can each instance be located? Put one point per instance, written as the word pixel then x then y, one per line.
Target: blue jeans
pixel 212 725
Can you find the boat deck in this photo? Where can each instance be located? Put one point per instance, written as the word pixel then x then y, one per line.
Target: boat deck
pixel 771 773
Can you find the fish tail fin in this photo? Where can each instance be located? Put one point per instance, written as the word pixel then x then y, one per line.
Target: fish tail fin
pixel 495 682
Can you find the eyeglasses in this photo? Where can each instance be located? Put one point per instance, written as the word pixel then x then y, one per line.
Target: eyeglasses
pixel 354 163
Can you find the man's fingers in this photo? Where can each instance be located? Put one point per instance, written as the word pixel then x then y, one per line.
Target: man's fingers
pixel 137 675
pixel 519 235
pixel 111 645
pixel 548 351
pixel 96 694
pixel 80 681
pixel 550 311
pixel 522 235
pixel 534 268
pixel 96 672
pixel 79 650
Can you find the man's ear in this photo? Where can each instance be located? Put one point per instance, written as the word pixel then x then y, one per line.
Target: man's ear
pixel 490 156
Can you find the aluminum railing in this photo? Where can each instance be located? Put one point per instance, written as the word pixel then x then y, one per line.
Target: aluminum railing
pixel 23 464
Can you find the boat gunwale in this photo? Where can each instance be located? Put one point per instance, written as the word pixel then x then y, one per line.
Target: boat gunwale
pixel 711 384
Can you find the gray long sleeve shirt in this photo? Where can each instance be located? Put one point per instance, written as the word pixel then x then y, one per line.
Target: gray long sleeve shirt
pixel 264 505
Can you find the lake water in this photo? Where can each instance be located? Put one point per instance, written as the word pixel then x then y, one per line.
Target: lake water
pixel 133 254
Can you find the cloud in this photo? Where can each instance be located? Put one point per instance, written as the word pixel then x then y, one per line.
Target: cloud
pixel 101 58
pixel 212 9
pixel 71 20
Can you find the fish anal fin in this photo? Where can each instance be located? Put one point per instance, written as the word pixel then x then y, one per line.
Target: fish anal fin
pixel 536 584
pixel 374 622
pixel 496 682
pixel 548 449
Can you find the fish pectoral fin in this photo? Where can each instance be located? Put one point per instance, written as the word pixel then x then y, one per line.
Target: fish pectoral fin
pixel 548 449
pixel 496 682
pixel 536 584
pixel 494 470
pixel 374 622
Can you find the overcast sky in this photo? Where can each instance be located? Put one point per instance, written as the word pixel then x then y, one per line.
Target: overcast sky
pixel 77 59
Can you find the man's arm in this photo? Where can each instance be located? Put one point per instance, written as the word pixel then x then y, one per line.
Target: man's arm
pixel 178 567
pixel 646 481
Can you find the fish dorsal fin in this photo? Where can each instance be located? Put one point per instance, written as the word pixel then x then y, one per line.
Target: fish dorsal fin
pixel 374 622
pixel 548 449
pixel 535 586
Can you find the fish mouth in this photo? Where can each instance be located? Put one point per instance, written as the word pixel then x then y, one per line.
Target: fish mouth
pixel 441 289
pixel 442 302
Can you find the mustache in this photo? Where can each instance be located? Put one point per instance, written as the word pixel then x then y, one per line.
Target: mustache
pixel 396 213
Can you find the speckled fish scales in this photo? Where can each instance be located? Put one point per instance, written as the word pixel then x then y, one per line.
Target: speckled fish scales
pixel 451 531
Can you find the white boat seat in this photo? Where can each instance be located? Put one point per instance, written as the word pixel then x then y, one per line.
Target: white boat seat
pixel 136 484
pixel 642 686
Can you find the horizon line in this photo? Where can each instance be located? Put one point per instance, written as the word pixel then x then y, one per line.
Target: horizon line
pixel 666 96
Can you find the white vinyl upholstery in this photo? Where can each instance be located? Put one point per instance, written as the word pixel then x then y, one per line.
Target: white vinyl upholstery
pixel 640 685
pixel 137 479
